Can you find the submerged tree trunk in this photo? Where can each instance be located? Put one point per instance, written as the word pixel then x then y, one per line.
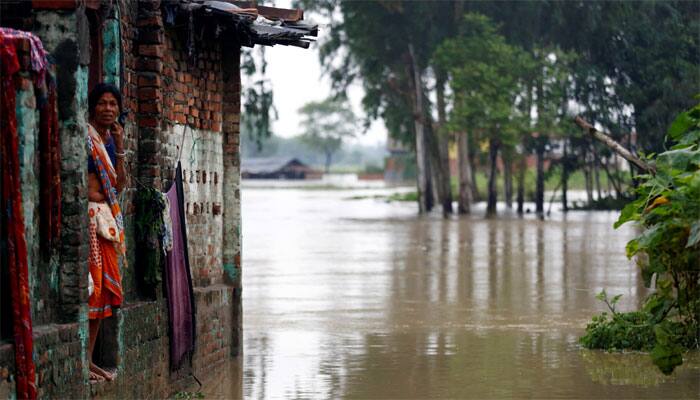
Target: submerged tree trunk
pixel 613 176
pixel 565 178
pixel 508 179
pixel 539 188
pixel 520 198
pixel 525 151
pixel 437 177
pixel 329 157
pixel 422 170
pixel 443 142
pixel 465 174
pixel 604 164
pixel 589 180
pixel 596 173
pixel 441 193
pixel 434 171
pixel 476 196
pixel 493 193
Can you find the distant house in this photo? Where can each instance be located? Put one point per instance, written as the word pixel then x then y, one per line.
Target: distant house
pixel 400 164
pixel 277 168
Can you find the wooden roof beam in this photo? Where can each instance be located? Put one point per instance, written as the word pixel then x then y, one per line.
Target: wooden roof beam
pixel 284 14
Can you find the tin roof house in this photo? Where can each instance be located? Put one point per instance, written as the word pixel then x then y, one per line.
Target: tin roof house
pixel 277 168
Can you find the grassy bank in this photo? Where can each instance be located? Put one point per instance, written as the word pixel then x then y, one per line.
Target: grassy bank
pixel 577 181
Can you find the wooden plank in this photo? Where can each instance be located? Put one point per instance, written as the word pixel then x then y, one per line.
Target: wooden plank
pixel 284 14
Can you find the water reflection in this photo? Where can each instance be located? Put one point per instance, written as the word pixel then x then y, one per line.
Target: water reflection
pixel 362 299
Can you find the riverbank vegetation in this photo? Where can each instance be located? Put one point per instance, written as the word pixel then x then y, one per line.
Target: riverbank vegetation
pixel 667 250
pixel 500 82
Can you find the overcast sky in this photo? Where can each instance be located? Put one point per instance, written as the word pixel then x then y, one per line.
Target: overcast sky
pixel 296 79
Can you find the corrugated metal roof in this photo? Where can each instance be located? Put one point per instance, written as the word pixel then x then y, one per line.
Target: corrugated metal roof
pixel 269 165
pixel 252 24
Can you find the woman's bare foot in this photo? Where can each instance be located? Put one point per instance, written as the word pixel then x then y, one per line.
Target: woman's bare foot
pixel 106 375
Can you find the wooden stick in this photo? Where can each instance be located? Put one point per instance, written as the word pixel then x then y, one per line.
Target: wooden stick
pixel 616 147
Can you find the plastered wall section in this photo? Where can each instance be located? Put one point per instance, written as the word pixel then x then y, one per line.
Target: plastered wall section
pixel 202 164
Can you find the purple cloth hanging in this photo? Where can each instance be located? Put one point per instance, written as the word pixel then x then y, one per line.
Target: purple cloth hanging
pixel 178 280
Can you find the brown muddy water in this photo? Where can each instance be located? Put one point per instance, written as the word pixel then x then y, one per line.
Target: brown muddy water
pixel 361 298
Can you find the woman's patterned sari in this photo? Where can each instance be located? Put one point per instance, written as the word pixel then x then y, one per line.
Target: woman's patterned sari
pixel 104 251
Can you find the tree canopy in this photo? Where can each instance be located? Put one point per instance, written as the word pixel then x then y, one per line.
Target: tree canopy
pixel 325 124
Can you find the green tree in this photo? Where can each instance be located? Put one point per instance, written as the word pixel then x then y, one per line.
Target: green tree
pixel 484 76
pixel 635 66
pixel 326 124
pixel 258 100
pixel 387 46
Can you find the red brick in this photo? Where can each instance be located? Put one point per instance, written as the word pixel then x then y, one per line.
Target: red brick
pixel 149 80
pixel 234 117
pixel 149 93
pixel 154 20
pixel 155 107
pixel 151 37
pixel 152 5
pixel 148 122
pixel 151 50
pixel 194 112
pixel 151 65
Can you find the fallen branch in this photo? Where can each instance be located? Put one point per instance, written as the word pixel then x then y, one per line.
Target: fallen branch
pixel 616 147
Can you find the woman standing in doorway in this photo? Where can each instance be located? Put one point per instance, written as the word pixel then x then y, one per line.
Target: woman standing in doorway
pixel 106 178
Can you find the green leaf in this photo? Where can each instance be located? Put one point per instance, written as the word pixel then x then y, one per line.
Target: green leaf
pixel 677 159
pixel 601 296
pixel 651 268
pixel 628 213
pixel 694 237
pixel 632 248
pixel 681 124
pixel 666 358
pixel 652 236
pixel 667 354
pixel 615 299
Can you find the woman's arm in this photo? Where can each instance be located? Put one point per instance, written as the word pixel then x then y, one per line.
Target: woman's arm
pixel 118 133
pixel 94 188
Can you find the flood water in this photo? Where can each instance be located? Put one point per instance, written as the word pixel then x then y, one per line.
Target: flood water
pixel 348 298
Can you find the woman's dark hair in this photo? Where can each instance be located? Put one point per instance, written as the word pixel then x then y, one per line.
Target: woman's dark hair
pixel 98 91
